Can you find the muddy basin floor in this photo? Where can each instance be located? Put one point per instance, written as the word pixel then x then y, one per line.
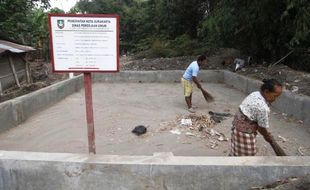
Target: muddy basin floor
pixel 119 107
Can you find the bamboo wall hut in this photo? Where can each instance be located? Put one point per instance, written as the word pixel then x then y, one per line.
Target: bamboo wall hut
pixel 14 67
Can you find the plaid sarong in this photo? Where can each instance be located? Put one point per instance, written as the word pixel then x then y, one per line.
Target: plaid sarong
pixel 243 144
pixel 243 136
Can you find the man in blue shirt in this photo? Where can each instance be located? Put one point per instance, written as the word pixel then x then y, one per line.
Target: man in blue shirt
pixel 190 76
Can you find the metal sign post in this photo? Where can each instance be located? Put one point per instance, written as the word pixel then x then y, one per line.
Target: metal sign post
pixel 85 43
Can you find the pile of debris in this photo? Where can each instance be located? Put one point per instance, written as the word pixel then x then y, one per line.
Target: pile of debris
pixel 39 70
pixel 197 122
pixel 292 183
pixel 193 125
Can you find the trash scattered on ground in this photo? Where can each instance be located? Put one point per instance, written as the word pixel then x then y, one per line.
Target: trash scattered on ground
pixel 300 182
pixel 139 130
pixel 189 134
pixel 213 144
pixel 198 126
pixel 212 132
pixel 300 150
pixel 186 122
pixel 176 132
pixel 220 114
pixel 222 138
pixel 295 88
pixel 218 117
pixel 239 63
pixel 282 138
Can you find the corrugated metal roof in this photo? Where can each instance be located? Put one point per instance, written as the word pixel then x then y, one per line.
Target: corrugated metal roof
pixel 12 47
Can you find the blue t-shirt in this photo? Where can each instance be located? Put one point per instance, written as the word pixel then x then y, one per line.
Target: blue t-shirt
pixel 192 70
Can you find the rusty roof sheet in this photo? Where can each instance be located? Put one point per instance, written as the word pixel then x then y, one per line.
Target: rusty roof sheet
pixel 13 47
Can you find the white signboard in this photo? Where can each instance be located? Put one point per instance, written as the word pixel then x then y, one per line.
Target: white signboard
pixel 84 43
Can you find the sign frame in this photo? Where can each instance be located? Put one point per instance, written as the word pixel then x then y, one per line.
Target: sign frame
pixel 88 70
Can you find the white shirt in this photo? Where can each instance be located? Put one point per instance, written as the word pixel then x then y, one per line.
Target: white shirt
pixel 255 107
pixel 192 70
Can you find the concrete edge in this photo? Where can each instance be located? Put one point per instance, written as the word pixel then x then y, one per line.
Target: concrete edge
pixel 161 158
pixel 7 118
pixel 21 108
pixel 23 170
pixel 292 104
pixel 213 76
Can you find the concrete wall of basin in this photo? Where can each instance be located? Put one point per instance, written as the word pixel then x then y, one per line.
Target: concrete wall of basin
pixel 16 111
pixel 163 171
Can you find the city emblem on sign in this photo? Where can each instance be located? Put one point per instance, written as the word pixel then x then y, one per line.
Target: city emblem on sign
pixel 60 24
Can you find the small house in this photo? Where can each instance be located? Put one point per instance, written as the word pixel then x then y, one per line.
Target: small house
pixel 14 67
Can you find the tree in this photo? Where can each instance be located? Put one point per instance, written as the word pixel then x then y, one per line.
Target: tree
pixel 15 21
pixel 268 29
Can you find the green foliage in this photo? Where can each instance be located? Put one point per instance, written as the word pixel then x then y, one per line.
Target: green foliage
pixel 39 29
pixel 184 45
pixel 26 22
pixel 163 47
pixel 15 19
pixel 297 14
pixel 155 26
pixel 268 29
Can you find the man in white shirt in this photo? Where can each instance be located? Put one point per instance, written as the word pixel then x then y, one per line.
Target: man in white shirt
pixel 190 76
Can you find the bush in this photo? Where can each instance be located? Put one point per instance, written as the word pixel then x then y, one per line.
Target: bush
pixel 162 47
pixel 299 60
pixel 184 45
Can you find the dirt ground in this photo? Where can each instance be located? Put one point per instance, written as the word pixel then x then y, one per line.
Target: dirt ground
pixel 119 107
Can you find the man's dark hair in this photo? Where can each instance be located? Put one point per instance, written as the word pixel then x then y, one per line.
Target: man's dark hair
pixel 269 84
pixel 201 58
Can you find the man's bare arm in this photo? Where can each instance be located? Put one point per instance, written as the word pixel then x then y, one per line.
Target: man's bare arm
pixel 196 82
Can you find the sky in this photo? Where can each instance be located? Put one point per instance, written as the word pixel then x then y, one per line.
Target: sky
pixel 63 4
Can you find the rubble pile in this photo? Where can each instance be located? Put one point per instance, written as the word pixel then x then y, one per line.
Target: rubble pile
pixel 39 70
pixel 199 122
pixel 193 125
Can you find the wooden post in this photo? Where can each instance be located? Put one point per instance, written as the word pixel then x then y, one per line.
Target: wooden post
pixel 89 113
pixel 13 70
pixel 27 71
pixel 1 90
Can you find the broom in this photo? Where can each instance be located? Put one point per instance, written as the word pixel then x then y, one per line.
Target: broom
pixel 208 97
pixel 277 149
